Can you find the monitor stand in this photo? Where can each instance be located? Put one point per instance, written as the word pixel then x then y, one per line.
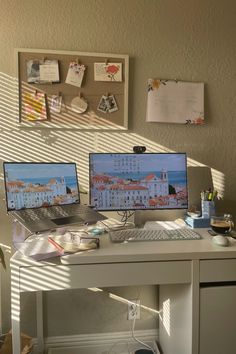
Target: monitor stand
pixel 142 216
pixel 19 232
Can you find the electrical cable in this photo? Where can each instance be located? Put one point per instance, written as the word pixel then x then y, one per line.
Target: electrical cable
pixel 133 327
pixel 125 215
pixel 127 342
pixel 138 340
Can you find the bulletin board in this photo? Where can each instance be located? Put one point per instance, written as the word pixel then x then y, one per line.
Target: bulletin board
pixel 69 89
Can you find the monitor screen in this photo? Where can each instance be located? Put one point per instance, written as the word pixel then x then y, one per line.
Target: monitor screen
pixel 35 185
pixel 128 181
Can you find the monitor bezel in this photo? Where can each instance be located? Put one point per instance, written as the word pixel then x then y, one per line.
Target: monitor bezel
pixel 137 209
pixel 38 163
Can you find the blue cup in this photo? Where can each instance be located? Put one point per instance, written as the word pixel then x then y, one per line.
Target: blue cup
pixel 208 209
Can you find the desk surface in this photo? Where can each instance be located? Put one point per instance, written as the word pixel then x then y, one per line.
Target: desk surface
pixel 141 252
pixel 166 263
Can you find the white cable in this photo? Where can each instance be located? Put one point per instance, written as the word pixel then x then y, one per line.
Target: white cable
pixel 132 335
pixel 136 339
pixel 133 325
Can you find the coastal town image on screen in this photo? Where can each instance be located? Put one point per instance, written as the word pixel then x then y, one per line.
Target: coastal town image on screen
pixel 36 185
pixel 138 181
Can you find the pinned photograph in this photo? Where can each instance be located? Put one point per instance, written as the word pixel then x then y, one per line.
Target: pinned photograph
pixel 107 104
pixel 108 72
pixel 49 71
pixel 79 105
pixel 56 103
pixel 42 71
pixel 33 75
pixel 75 74
pixel 34 105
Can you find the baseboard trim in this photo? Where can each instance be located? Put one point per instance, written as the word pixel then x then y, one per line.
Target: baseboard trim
pixel 87 343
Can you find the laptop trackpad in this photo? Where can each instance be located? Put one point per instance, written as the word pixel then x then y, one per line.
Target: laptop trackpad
pixel 68 220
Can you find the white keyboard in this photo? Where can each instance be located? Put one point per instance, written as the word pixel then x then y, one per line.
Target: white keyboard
pixel 133 235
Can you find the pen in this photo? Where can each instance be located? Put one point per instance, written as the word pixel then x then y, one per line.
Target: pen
pixel 214 195
pixel 209 195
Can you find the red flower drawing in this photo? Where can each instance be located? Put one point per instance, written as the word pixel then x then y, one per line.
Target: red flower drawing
pixel 112 70
pixel 198 121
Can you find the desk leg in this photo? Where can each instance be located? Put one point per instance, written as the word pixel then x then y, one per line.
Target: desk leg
pixel 39 314
pixel 15 308
pixel 195 306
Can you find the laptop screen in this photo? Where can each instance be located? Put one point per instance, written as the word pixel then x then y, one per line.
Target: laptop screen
pixel 36 185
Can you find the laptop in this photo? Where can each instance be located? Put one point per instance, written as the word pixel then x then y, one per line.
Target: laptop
pixel 44 196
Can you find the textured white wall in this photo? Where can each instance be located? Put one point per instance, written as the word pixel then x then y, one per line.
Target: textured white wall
pixel 189 40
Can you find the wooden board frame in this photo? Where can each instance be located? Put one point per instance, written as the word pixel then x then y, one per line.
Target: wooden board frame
pixel 90 90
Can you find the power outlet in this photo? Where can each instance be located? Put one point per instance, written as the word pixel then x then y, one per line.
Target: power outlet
pixel 134 310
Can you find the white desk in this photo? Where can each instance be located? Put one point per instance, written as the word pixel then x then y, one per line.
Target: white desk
pixel 178 267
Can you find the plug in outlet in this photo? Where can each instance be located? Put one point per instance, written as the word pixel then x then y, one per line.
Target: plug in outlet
pixel 134 310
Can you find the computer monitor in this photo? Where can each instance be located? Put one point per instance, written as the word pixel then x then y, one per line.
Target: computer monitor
pixel 129 181
pixel 35 185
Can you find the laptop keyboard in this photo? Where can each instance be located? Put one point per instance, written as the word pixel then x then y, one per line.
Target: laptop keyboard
pixel 39 214
pixel 60 215
pixel 75 209
pixel 29 215
pixel 51 212
pixel 54 212
pixel 45 218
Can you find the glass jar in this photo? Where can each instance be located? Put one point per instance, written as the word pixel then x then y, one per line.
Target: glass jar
pixel 222 224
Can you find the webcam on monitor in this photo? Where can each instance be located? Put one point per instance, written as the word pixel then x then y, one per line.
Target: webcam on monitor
pixel 139 149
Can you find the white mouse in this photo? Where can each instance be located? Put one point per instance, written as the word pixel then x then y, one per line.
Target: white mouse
pixel 220 240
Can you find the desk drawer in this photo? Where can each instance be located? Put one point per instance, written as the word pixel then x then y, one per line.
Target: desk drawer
pixel 113 274
pixel 218 270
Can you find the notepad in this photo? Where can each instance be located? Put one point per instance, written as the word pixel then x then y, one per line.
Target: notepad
pixel 38 249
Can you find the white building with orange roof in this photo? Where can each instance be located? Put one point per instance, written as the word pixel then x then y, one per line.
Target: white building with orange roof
pixel 156 186
pixel 14 193
pixel 135 195
pixel 115 192
pixel 27 195
pixel 58 187
pixel 36 196
pixel 121 195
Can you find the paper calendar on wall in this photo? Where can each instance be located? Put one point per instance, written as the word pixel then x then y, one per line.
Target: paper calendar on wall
pixel 170 101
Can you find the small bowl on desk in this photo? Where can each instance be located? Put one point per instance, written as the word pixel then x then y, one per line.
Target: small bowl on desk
pixel 194 214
